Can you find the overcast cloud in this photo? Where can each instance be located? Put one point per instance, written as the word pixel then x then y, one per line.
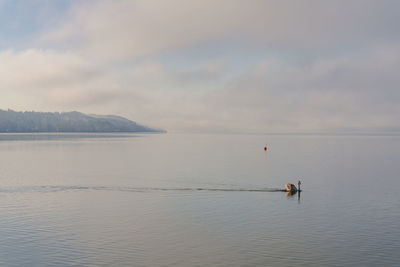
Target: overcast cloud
pixel 207 66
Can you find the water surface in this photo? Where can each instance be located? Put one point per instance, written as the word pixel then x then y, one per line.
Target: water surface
pixel 198 200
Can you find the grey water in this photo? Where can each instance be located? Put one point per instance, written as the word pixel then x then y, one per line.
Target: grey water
pixel 198 200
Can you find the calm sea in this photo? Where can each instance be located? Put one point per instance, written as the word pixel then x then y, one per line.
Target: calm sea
pixel 198 200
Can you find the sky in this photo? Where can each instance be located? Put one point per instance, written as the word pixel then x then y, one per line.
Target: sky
pixel 209 66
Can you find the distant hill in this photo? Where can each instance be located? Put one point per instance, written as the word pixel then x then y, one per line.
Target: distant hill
pixel 29 121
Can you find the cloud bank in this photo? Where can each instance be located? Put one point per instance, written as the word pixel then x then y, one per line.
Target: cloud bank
pixel 212 66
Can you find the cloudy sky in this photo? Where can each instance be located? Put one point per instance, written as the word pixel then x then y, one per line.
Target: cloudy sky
pixel 207 66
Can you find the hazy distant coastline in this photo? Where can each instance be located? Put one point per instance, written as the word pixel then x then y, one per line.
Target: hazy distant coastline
pixel 36 122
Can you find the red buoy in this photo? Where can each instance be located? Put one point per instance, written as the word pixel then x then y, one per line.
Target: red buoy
pixel 265 148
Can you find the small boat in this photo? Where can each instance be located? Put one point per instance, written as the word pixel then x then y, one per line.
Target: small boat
pixel 292 188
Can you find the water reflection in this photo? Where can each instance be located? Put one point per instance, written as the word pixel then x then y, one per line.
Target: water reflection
pixel 63 136
pixel 291 194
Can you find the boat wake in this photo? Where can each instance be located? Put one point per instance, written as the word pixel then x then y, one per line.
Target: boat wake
pixel 50 189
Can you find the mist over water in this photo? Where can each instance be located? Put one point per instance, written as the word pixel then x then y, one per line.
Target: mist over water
pixel 198 200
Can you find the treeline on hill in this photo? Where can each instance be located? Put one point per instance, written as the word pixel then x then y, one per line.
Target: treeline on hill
pixel 29 121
